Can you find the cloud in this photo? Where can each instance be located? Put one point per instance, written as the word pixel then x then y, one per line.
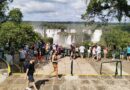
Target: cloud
pixel 51 10
pixel 78 4
pixel 35 7
pixel 54 1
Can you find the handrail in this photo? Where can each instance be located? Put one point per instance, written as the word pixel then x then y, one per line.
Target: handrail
pixel 17 66
pixel 8 66
pixel 72 63
pixel 116 71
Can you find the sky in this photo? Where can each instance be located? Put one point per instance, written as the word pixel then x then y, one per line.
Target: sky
pixel 50 10
pixel 54 10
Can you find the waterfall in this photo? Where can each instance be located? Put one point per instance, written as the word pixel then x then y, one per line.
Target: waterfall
pixel 96 36
pixel 69 40
pixel 53 33
pixel 75 34
pixel 56 39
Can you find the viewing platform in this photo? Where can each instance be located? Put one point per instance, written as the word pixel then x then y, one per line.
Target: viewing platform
pixel 86 76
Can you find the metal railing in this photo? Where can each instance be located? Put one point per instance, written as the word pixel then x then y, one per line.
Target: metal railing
pixel 117 65
pixel 72 63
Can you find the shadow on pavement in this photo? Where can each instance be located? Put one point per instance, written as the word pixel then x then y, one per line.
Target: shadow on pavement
pixel 41 82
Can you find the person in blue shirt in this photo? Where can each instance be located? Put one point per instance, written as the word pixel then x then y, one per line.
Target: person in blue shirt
pixel 128 52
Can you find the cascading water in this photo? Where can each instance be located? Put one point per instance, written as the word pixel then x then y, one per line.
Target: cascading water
pixel 96 36
pixel 64 40
pixel 39 31
pixel 73 31
pixel 53 33
pixel 75 34
pixel 68 41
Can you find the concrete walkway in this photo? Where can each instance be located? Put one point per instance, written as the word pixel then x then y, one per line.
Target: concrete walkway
pixel 3 75
pixel 82 67
pixel 86 77
pixel 17 82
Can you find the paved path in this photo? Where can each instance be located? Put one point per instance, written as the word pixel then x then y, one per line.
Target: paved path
pixel 82 67
pixel 86 77
pixel 3 75
pixel 17 82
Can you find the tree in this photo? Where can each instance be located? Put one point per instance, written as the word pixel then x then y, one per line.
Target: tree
pixel 12 29
pixel 28 34
pixel 3 9
pixel 17 34
pixel 55 26
pixel 107 9
pixel 116 36
pixel 7 31
pixel 15 15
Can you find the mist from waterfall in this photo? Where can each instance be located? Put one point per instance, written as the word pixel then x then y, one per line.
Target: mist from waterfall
pixel 53 33
pixel 75 33
pixel 68 41
pixel 96 36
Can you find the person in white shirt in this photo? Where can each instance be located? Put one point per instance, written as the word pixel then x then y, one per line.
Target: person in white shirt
pixel 94 52
pixel 89 52
pixel 54 47
pixel 98 50
pixel 82 49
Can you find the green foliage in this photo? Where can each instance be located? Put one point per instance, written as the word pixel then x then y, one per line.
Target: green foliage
pixel 48 40
pixel 55 26
pixel 114 8
pixel 27 35
pixel 15 15
pixel 12 30
pixel 86 43
pixel 17 34
pixel 3 9
pixel 8 26
pixel 116 36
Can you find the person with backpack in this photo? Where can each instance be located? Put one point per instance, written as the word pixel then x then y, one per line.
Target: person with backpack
pixel 30 74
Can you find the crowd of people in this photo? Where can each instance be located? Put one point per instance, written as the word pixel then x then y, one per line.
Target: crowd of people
pixel 91 51
pixel 53 52
pixel 44 52
pixel 41 52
